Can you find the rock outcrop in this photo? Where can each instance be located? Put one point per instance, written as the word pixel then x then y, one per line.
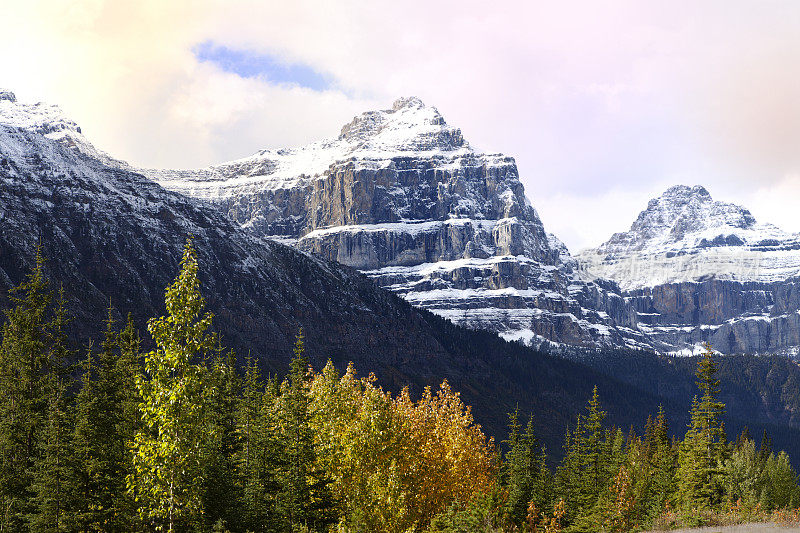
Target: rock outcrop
pixel 401 196
pixel 698 270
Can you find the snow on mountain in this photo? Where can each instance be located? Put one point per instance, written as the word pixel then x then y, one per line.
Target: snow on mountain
pixel 685 235
pixel 401 196
pixel 699 270
pixel 409 128
pixel 49 121
pixel 112 235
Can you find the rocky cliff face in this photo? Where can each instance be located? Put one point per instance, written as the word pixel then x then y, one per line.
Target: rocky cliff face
pixel 700 270
pixel 401 196
pixel 111 235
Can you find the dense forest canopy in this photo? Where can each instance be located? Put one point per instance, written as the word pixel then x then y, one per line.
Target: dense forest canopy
pixel 182 438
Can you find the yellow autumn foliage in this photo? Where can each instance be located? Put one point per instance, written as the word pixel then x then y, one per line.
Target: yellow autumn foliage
pixel 396 462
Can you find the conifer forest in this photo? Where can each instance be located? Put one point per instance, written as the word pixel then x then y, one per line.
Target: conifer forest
pixel 182 438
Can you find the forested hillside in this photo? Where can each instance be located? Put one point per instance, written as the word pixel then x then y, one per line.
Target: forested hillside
pixel 109 437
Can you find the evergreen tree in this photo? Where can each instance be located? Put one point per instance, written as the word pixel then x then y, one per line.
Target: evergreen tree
pixel 51 480
pixel 23 398
pixel 522 469
pixel 304 499
pixel 593 467
pixel 765 449
pixel 222 491
pixel 662 456
pixel 260 452
pixel 170 448
pixel 34 408
pixel 780 487
pixel 568 475
pixel 104 427
pixel 249 427
pixel 703 451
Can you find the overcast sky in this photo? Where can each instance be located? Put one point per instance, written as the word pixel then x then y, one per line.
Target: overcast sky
pixel 603 104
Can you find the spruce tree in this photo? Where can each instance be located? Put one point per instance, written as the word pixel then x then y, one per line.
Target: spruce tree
pixel 662 457
pixel 522 466
pixel 594 471
pixel 568 475
pixel 703 451
pixel 51 479
pixel 304 499
pixel 222 490
pixel 23 398
pixel 104 427
pixel 261 454
pixel 35 395
pixel 170 448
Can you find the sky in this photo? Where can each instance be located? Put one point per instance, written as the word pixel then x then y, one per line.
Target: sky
pixel 602 104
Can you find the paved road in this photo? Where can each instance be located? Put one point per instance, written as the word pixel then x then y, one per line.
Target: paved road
pixel 742 528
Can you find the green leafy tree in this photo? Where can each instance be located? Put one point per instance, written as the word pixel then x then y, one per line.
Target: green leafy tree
pixel 170 448
pixel 780 488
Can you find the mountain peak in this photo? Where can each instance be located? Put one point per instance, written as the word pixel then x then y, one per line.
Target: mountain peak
pixel 408 125
pixel 39 118
pixel 683 191
pixel 687 219
pixel 407 102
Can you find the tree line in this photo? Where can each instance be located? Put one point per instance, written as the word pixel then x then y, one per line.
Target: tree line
pixel 180 438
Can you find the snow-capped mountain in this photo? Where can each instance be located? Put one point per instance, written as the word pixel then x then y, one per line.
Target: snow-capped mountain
pixel 113 235
pixel 685 235
pixel 400 195
pixel 699 270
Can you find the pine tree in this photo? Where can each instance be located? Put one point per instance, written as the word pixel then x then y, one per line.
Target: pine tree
pixel 594 471
pixel 568 475
pixel 663 460
pixel 170 449
pixel 104 427
pixel 304 499
pixel 34 407
pixel 23 399
pixel 52 482
pixel 703 451
pixel 222 491
pixel 523 463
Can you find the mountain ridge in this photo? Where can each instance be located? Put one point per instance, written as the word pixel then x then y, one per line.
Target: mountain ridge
pixel 404 198
pixel 401 196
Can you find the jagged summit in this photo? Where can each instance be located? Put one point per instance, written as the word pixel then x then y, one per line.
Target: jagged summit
pixel 688 217
pixel 19 120
pixel 401 196
pixel 39 118
pixel 686 235
pixel 409 128
pixel 408 125
pixel 408 101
